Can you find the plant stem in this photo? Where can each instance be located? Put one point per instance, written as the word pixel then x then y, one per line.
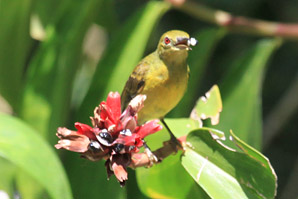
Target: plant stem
pixel 142 159
pixel 239 24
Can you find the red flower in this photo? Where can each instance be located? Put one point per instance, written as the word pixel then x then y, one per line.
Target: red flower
pixel 114 136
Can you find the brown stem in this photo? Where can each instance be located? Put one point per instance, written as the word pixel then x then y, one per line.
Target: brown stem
pixel 142 159
pixel 238 23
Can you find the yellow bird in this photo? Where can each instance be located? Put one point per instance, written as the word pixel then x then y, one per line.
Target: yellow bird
pixel 162 76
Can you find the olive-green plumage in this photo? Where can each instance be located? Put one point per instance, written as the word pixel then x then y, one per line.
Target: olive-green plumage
pixel 162 76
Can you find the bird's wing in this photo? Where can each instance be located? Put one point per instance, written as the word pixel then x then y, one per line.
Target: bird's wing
pixel 135 84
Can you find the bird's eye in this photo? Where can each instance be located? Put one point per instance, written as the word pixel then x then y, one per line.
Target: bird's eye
pixel 167 40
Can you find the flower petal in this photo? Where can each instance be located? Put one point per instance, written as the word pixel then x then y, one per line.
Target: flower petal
pixel 129 115
pixel 96 120
pixel 106 115
pixel 114 102
pixel 129 122
pixel 134 106
pixel 120 173
pixel 148 128
pixel 118 164
pixel 137 103
pixel 127 140
pixel 85 129
pixel 72 141
pixel 105 111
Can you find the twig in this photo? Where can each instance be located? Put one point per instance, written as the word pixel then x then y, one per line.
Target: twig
pixel 238 24
pixel 142 159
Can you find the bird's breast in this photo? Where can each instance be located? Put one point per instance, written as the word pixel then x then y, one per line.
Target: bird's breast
pixel 164 87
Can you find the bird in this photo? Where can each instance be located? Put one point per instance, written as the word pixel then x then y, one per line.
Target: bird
pixel 162 76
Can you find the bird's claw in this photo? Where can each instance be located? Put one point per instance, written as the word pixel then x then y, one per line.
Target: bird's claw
pixel 152 158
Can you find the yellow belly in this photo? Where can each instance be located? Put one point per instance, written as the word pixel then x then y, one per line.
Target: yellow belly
pixel 164 89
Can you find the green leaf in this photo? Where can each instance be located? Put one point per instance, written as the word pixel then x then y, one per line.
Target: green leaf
pixel 22 146
pixel 198 61
pixel 122 55
pixel 208 107
pixel 164 180
pixel 251 151
pixel 225 173
pixel 27 186
pixel 51 72
pixel 107 16
pixel 43 14
pixel 132 188
pixel 15 46
pixel 180 126
pixel 241 93
pixel 7 173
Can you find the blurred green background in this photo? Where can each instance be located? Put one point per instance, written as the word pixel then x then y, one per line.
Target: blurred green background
pixel 59 59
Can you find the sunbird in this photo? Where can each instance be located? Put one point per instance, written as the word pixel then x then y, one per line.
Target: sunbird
pixel 162 76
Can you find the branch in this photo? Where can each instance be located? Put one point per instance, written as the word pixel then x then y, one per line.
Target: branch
pixel 142 159
pixel 237 24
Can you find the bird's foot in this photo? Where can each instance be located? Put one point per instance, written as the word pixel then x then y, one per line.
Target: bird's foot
pixel 176 145
pixel 152 158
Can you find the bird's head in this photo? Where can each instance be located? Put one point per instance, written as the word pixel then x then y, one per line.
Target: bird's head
pixel 175 42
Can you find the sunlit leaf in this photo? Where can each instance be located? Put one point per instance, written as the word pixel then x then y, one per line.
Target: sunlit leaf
pixel 251 151
pixel 241 93
pixel 208 106
pixel 22 146
pixel 225 173
pixel 27 186
pixel 164 180
pixel 7 173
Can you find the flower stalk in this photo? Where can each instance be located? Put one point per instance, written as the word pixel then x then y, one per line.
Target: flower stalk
pixel 238 24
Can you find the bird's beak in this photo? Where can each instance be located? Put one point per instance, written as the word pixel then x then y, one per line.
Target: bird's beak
pixel 185 43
